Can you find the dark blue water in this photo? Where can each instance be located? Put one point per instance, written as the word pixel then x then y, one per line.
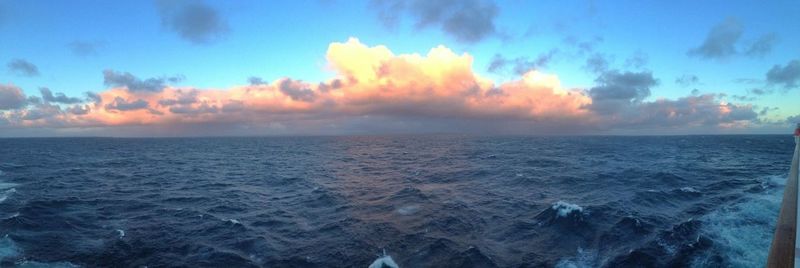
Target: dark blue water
pixel 429 201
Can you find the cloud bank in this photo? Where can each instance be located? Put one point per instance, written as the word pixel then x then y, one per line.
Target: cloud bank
pixel 373 89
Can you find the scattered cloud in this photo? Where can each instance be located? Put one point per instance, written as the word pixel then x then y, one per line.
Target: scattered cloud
pixel 762 46
pixel 121 104
pixel 22 67
pixel 255 80
pixel 58 97
pixel 11 97
pixel 787 76
pixel 521 65
pixel 720 41
pixel 82 48
pixel 687 80
pixel 466 20
pixel 597 63
pixel 636 61
pixel 617 90
pixel 194 21
pixel 132 83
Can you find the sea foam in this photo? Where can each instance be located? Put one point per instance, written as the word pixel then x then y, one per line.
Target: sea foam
pixel 563 209
pixel 384 261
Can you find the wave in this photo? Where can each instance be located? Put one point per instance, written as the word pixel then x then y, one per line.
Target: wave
pixel 742 231
pixel 384 261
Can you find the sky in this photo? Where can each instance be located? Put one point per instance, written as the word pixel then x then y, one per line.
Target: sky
pixel 332 67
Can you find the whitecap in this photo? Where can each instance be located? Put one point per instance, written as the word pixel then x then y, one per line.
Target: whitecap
pixel 384 261
pixel 121 233
pixel 408 210
pixel 6 194
pixel 234 221
pixel 563 208
pixel 742 231
pixel 689 189
pixel 584 258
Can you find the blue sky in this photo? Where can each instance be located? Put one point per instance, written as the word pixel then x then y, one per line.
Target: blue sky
pixel 278 39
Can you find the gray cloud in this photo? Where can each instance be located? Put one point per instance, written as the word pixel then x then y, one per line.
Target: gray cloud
pixel 521 64
pixel 194 21
pixel 795 119
pixel 184 98
pixel 466 20
pixel 22 67
pixel 762 46
pixel 760 91
pixel 58 97
pixel 203 108
pixel 788 76
pixel 583 46
pixel 597 63
pixel 42 111
pixel 637 61
pixel 83 49
pixel 11 97
pixel 687 80
pixel 93 97
pixel 125 79
pixel 335 84
pixel 617 90
pixel 255 81
pixel 79 109
pixel 121 104
pixel 297 90
pixel 720 41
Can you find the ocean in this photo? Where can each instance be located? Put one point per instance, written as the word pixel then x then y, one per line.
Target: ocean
pixel 423 200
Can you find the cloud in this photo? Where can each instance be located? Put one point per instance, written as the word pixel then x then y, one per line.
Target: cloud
pixel 22 67
pixel 624 85
pixel 121 104
pixel 720 41
pixel 762 46
pixel 373 89
pixel 795 119
pixel 687 80
pixel 521 64
pixel 637 61
pixel 596 63
pixel 132 83
pixel 48 96
pixel 297 90
pixel 83 49
pixel 788 76
pixel 11 97
pixel 255 80
pixel 466 20
pixel 79 109
pixel 194 21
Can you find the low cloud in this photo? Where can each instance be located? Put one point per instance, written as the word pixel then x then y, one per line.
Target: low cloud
pixel 58 97
pixel 121 104
pixel 22 68
pixel 133 83
pixel 374 89
pixel 466 20
pixel 194 21
pixel 787 76
pixel 11 97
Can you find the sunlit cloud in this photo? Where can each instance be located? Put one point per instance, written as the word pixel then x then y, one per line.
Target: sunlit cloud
pixel 373 86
